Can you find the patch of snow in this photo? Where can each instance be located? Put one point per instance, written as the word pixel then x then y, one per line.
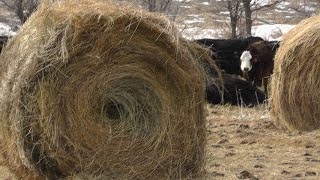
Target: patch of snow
pixel 221 20
pixel 261 2
pixel 309 8
pixel 271 32
pixel 268 32
pixel 280 10
pixel 187 7
pixel 284 4
pixel 224 12
pixel 194 15
pixel 6 30
pixel 198 20
pixel 198 33
pixel 205 3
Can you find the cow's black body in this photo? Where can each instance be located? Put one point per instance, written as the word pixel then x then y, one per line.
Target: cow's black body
pixel 236 91
pixel 227 52
pixel 3 40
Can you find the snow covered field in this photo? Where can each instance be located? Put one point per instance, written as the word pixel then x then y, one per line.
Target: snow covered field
pixel 267 32
pixel 5 30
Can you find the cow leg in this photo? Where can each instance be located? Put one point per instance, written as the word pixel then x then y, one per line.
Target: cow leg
pixel 265 84
pixel 257 82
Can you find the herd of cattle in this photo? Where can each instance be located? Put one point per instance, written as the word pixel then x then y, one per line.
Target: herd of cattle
pixel 245 65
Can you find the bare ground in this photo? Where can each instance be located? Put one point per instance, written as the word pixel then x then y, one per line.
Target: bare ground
pixel 244 143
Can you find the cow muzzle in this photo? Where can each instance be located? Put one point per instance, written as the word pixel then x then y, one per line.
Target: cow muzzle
pixel 245 73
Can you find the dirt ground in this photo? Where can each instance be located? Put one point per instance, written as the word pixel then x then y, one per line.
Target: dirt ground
pixel 244 143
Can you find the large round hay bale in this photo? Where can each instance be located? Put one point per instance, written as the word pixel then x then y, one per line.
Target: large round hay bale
pixel 90 88
pixel 295 95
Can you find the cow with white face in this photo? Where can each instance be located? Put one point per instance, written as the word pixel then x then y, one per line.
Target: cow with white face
pixel 227 52
pixel 258 59
pixel 246 65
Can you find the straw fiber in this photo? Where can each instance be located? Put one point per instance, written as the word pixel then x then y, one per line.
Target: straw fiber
pixel 295 96
pixel 96 90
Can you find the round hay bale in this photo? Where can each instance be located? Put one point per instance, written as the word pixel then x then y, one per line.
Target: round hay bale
pixel 96 89
pixel 295 97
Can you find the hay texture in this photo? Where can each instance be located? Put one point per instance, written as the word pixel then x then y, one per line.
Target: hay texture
pixel 100 90
pixel 295 85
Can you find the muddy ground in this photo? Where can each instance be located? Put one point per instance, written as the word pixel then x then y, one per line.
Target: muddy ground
pixel 244 143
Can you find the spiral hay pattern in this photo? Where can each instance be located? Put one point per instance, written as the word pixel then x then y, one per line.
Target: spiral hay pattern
pixel 93 89
pixel 295 97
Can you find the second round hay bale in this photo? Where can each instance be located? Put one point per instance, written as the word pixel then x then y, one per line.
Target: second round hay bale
pixel 91 88
pixel 295 85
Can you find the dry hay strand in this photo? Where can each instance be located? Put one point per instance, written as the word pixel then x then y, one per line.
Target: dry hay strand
pixel 96 89
pixel 295 97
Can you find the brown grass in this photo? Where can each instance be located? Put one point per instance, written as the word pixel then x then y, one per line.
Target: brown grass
pixel 90 89
pixel 295 97
pixel 244 143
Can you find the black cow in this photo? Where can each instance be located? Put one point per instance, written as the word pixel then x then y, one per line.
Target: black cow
pixel 236 91
pixel 226 52
pixel 3 40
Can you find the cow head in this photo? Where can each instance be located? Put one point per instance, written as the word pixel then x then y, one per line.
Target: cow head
pixel 249 58
pixel 246 65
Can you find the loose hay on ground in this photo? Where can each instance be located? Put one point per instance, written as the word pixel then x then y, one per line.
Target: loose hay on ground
pixel 94 89
pixel 295 97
